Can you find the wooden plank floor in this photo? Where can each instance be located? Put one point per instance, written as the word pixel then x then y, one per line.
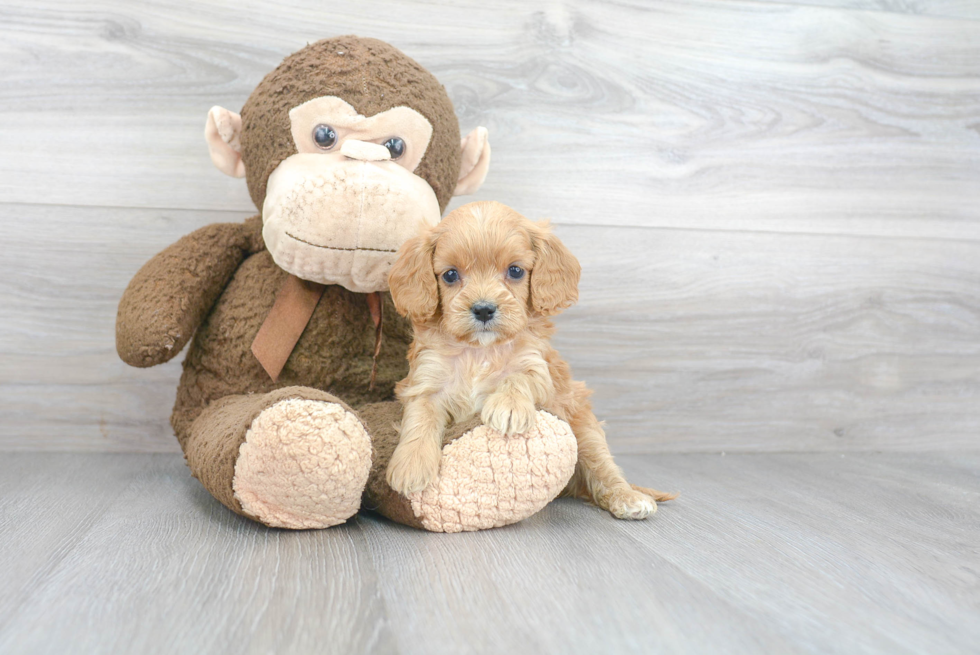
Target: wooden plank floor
pixel 774 553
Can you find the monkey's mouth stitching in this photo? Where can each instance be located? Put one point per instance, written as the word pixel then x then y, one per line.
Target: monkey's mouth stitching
pixel 317 245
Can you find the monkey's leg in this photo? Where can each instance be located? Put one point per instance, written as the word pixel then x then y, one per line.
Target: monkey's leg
pixel 292 458
pixel 485 479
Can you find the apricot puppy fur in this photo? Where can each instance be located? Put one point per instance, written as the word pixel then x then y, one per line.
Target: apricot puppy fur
pixel 479 288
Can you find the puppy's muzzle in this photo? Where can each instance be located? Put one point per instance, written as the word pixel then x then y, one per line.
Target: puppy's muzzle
pixel 483 311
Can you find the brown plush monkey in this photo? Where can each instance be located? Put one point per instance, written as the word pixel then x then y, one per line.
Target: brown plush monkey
pixel 284 409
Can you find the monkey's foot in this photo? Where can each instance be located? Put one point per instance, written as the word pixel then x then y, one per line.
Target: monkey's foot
pixel 303 464
pixel 488 480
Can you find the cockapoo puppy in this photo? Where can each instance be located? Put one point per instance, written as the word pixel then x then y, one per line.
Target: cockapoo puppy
pixel 479 288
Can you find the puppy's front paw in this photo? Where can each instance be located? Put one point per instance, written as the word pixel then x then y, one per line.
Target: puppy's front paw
pixel 629 504
pixel 413 465
pixel 508 414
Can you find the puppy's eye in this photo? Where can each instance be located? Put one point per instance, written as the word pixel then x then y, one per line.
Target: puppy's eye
pixel 396 146
pixel 451 276
pixel 515 272
pixel 324 136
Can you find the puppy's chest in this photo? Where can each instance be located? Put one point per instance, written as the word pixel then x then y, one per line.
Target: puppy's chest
pixel 475 374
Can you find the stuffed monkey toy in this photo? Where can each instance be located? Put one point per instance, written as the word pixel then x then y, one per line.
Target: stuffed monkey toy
pixel 285 409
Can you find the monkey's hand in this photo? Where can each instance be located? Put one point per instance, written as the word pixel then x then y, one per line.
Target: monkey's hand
pixel 169 297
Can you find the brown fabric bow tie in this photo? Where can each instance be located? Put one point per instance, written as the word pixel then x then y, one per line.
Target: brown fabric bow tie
pixel 289 317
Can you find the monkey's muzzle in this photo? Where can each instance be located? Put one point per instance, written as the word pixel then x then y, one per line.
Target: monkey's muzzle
pixel 343 222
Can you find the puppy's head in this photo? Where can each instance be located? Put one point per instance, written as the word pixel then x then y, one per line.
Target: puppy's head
pixel 482 273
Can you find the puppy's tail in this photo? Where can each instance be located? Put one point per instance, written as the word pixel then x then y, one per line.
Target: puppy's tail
pixel 659 496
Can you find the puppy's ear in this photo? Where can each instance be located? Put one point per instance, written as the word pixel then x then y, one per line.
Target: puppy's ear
pixel 554 278
pixel 412 280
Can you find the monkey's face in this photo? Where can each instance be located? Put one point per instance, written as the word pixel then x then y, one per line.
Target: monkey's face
pixel 350 146
pixel 337 211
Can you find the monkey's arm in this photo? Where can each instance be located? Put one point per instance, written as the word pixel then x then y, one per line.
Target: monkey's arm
pixel 169 297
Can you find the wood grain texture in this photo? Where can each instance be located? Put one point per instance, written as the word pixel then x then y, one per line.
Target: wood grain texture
pixel 943 8
pixel 777 203
pixel 64 386
pixel 157 566
pixel 715 114
pixel 739 341
pixel 692 340
pixel 792 553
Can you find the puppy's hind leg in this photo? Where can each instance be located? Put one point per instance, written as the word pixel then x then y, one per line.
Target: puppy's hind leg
pixel 599 479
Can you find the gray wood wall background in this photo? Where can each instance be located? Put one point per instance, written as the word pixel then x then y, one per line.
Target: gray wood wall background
pixel 776 204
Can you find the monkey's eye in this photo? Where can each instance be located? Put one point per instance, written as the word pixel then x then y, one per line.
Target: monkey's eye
pixel 515 272
pixel 395 146
pixel 325 136
pixel 451 276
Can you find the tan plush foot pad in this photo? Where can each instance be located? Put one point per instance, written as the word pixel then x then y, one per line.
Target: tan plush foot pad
pixel 487 480
pixel 303 465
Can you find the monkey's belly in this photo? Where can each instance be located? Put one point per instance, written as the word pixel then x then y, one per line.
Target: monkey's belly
pixel 334 353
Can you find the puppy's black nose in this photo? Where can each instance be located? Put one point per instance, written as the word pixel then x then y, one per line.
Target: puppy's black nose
pixel 483 311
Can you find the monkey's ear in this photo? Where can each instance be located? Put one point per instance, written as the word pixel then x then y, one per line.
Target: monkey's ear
pixel 223 132
pixel 412 281
pixel 475 162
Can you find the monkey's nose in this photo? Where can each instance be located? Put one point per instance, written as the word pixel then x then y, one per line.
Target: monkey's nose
pixel 483 311
pixel 364 151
